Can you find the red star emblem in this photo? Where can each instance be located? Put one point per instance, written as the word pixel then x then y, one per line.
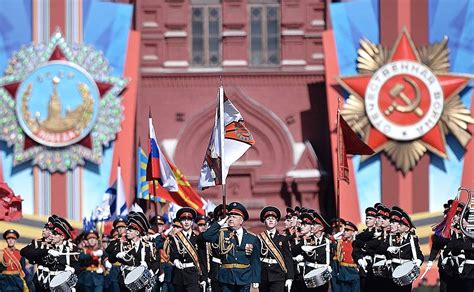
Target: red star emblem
pixel 396 99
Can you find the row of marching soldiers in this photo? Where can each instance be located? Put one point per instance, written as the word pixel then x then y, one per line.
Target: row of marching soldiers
pixel 221 255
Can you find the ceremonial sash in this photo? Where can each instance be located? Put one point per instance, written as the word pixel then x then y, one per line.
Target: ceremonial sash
pixel 274 250
pixel 15 262
pixel 190 249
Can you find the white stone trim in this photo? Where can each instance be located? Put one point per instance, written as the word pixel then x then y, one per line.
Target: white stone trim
pixel 234 63
pixel 292 32
pixel 176 34
pixel 150 24
pixel 296 62
pixel 304 173
pixel 234 33
pixel 318 22
pixel 314 68
pixel 150 58
pixel 205 69
pixel 248 163
pixel 317 56
pixel 176 64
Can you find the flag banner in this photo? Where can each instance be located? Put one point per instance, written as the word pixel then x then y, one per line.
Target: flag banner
pixel 236 138
pixel 157 167
pixel 186 196
pixel 121 206
pixel 143 186
pixel 348 143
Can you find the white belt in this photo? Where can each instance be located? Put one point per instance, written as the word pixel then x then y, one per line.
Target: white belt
pixel 188 265
pixel 268 261
pixel 469 262
pixel 54 273
pixel 216 260
pixel 301 264
pixel 369 258
pixel 314 265
pixel 400 261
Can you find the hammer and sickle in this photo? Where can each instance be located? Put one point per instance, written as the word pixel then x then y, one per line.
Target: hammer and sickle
pixel 410 104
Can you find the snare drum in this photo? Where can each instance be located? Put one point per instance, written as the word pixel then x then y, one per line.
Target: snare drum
pixel 138 278
pixel 380 269
pixel 405 274
pixel 317 277
pixel 63 282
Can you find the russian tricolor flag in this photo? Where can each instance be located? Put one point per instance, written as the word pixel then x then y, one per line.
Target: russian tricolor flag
pixel 157 167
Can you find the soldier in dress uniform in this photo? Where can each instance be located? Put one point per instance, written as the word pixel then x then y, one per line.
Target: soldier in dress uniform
pixel 93 265
pixel 277 262
pixel 402 245
pixel 215 261
pixel 137 251
pixel 345 275
pixel 314 250
pixel 35 252
pixel 12 266
pixel 63 254
pixel 190 267
pixel 359 252
pixel 201 226
pixel 118 235
pixel 239 251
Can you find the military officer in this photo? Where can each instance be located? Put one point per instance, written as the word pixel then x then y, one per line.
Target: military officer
pixel 346 274
pixel 190 267
pixel 277 262
pixel 12 267
pixel 215 261
pixel 91 260
pixel 239 251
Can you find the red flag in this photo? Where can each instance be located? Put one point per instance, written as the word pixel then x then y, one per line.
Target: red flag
pixel 348 143
pixel 186 196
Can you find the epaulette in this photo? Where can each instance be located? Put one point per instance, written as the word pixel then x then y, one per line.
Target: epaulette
pixel 251 233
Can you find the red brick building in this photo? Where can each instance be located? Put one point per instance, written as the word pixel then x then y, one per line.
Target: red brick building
pixel 269 56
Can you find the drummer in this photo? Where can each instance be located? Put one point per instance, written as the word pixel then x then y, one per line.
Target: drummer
pixel 136 252
pixel 403 246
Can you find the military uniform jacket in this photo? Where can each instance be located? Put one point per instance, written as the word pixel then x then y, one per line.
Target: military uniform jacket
pixel 448 261
pixel 179 251
pixel 316 257
pixel 36 253
pixel 69 257
pixel 237 267
pixel 360 249
pixel 142 251
pixel 410 249
pixel 464 246
pixel 273 272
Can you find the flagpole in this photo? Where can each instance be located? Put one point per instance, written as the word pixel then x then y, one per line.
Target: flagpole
pixel 338 133
pixel 221 144
pixel 154 196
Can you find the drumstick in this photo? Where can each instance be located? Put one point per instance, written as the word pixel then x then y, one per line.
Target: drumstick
pixel 424 273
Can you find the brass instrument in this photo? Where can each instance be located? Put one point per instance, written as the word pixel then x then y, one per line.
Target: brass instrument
pixel 467 229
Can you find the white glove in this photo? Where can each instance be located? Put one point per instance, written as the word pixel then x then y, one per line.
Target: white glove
pixel 167 231
pixel 70 269
pixel 444 261
pixel 338 235
pixel 363 264
pixel 121 255
pixel 393 249
pixel 99 271
pixel 429 265
pixel 98 253
pixel 418 262
pixel 288 283
pixel 178 264
pixel 255 285
pixel 161 278
pixel 299 258
pixel 203 284
pixel 108 265
pixel 329 269
pixel 143 263
pixel 54 252
pixel 223 221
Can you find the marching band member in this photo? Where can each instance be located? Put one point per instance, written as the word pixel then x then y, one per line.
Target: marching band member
pixel 12 266
pixel 136 252
pixel 239 251
pixel 402 247
pixel 118 234
pixel 91 260
pixel 35 253
pixel 277 262
pixel 346 274
pixel 63 254
pixel 190 267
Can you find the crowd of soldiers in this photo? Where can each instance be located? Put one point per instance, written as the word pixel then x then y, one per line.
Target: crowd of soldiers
pixel 215 253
